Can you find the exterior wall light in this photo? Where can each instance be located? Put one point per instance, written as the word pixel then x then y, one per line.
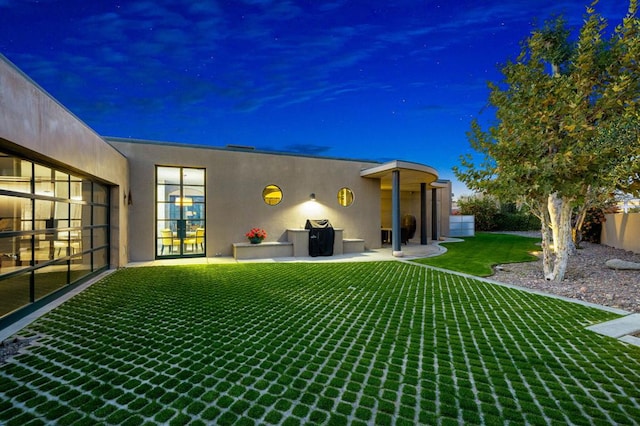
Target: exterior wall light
pixel 312 197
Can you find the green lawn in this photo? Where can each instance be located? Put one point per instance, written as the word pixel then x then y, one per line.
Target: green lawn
pixel 478 255
pixel 388 343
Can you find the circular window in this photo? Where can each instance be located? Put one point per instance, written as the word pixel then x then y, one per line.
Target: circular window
pixel 345 197
pixel 272 194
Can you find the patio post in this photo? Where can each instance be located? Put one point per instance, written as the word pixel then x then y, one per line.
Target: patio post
pixel 434 214
pixel 423 214
pixel 395 214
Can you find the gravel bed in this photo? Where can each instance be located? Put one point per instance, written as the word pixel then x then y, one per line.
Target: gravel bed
pixel 587 277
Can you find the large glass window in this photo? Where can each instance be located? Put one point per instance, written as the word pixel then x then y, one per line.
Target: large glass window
pixel 180 212
pixel 53 230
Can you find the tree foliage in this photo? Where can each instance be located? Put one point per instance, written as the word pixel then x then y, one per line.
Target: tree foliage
pixel 567 126
pixel 484 210
pixel 492 215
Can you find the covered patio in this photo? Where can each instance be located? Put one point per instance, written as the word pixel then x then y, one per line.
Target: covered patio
pixel 413 190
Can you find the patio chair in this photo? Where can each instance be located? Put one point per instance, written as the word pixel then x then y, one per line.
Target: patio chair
pixel 197 240
pixel 167 240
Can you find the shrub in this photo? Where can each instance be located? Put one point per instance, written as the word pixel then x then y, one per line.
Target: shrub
pixel 592 225
pixel 492 216
pixel 517 222
pixel 484 209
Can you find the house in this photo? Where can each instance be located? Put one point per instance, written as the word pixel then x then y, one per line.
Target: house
pixel 73 203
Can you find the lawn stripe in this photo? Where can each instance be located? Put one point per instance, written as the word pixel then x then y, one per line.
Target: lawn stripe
pixel 562 363
pixel 421 299
pixel 484 289
pixel 467 289
pixel 479 351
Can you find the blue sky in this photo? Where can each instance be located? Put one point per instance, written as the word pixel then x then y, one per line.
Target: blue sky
pixel 363 79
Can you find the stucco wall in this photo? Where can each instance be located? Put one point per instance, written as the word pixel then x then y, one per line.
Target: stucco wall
pixel 35 125
pixel 445 208
pixel 235 180
pixel 622 230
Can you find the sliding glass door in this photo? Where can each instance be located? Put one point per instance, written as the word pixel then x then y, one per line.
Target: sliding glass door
pixel 180 212
pixel 54 231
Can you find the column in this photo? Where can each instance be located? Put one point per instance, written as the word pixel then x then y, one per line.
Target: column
pixel 423 214
pixel 395 214
pixel 434 214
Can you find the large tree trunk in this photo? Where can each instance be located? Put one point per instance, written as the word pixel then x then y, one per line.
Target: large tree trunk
pixel 576 232
pixel 547 250
pixel 547 241
pixel 560 209
pixel 540 210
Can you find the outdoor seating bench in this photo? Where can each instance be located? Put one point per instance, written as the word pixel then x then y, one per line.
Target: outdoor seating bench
pixel 263 250
pixel 353 245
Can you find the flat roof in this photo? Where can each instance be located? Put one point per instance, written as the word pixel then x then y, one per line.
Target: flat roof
pixel 411 174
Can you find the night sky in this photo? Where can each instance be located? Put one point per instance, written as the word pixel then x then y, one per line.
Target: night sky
pixel 363 79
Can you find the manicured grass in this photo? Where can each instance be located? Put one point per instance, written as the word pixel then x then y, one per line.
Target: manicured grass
pixel 477 255
pixel 339 343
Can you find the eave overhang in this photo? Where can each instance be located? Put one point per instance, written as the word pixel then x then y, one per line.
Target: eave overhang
pixel 411 175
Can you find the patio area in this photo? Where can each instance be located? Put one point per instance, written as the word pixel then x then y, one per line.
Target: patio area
pixel 411 251
pixel 377 342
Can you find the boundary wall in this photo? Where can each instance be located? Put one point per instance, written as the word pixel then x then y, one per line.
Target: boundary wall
pixel 622 231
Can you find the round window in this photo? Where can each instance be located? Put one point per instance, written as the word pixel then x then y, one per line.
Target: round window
pixel 345 197
pixel 272 194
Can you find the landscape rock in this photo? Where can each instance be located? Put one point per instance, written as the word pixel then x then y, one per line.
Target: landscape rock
pixel 11 347
pixel 622 264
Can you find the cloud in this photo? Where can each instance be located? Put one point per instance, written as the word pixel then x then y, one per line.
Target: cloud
pixel 259 54
pixel 145 47
pixel 198 52
pixel 307 149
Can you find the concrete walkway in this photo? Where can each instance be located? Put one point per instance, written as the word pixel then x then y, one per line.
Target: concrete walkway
pixel 621 328
pixel 410 251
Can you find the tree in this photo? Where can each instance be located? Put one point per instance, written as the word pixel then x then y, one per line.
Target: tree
pixel 567 126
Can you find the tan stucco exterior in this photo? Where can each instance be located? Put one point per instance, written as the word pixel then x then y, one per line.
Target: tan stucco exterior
pixel 35 125
pixel 234 184
pixel 622 230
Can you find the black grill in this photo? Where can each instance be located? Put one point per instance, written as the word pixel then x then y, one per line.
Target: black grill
pixel 321 236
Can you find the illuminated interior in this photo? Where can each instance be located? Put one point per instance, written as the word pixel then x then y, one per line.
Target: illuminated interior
pixel 180 212
pixel 272 195
pixel 53 230
pixel 345 197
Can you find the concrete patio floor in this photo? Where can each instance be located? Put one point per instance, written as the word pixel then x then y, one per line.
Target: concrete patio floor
pixel 410 251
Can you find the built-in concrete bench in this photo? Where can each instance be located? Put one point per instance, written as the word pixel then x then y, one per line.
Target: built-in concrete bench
pixel 263 250
pixel 352 245
pixel 297 245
